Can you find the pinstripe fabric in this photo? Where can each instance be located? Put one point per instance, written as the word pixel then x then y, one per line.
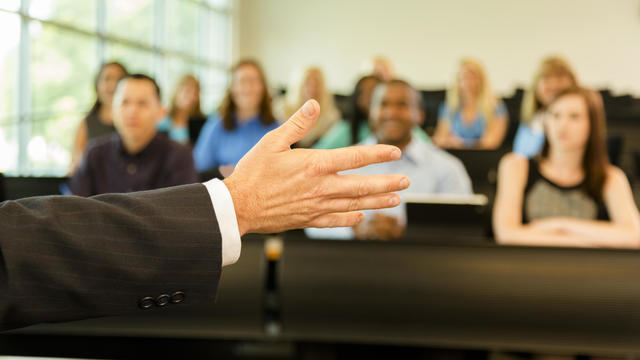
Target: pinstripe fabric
pixel 67 258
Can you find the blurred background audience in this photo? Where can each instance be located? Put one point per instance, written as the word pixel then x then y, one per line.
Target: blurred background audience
pixel 305 85
pixel 472 116
pixel 570 195
pixel 99 120
pixel 137 157
pixel 185 118
pixel 243 118
pixel 554 74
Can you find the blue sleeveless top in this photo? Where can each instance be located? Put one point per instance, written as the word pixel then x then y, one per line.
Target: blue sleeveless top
pixel 472 132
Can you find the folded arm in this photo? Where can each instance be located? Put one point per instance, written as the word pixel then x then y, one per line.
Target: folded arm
pixel 623 231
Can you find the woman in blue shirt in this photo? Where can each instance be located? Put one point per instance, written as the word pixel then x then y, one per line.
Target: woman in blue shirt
pixel 243 118
pixel 472 117
pixel 553 76
pixel 185 110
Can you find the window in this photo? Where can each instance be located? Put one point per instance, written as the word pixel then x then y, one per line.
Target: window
pixel 11 5
pixel 61 91
pixel 54 48
pixel 9 47
pixel 131 19
pixel 181 30
pixel 80 14
pixel 136 60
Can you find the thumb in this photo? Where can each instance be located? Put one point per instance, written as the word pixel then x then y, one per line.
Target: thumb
pixel 297 126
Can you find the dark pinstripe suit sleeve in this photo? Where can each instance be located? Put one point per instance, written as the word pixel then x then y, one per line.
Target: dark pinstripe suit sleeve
pixel 67 258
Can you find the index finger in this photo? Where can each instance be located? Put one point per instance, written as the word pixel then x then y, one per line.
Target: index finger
pixel 353 157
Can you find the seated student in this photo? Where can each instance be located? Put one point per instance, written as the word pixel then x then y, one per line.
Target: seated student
pixel 99 121
pixel 243 118
pixel 395 110
pixel 310 84
pixel 472 116
pixel 356 129
pixel 570 195
pixel 136 157
pixel 378 66
pixel 185 109
pixel 554 75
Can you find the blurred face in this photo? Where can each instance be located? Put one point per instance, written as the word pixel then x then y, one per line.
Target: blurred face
pixel 312 86
pixel 136 110
pixel 187 96
pixel 394 112
pixel 107 82
pixel 568 125
pixel 247 88
pixel 364 97
pixel 469 82
pixel 550 85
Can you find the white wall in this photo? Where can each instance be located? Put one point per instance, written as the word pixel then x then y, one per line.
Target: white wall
pixel 425 39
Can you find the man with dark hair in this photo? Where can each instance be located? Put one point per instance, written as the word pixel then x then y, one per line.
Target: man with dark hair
pixel 395 110
pixel 137 157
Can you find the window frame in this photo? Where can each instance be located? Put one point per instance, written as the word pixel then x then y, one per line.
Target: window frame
pixel 158 49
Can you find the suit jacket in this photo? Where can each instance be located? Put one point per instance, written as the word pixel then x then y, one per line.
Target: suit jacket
pixel 67 258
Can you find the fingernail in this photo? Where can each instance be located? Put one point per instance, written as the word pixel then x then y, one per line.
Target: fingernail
pixel 396 153
pixel 404 183
pixel 394 200
pixel 308 109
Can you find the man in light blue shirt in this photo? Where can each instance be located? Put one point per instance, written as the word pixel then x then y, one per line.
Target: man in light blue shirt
pixel 395 110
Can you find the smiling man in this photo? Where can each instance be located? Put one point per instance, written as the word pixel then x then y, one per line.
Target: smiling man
pixel 395 110
pixel 137 157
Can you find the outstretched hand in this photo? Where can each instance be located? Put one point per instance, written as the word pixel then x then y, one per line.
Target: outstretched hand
pixel 276 188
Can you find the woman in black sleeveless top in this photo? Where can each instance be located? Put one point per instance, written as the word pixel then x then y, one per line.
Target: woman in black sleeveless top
pixel 98 121
pixel 570 195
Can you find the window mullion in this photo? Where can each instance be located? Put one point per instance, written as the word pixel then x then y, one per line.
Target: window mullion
pixel 101 29
pixel 24 90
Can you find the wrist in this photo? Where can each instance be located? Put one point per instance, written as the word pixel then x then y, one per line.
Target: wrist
pixel 239 205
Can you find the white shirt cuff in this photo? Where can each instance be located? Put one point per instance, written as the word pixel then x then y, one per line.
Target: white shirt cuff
pixel 227 221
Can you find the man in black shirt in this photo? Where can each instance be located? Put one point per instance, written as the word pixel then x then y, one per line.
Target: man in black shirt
pixel 137 157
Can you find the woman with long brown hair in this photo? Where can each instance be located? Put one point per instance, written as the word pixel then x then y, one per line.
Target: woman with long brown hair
pixel 570 195
pixel 184 110
pixel 244 116
pixel 99 120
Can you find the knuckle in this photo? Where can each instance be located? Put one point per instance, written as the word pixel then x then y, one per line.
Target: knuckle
pixel 353 205
pixel 297 125
pixel 390 185
pixel 357 158
pixel 314 167
pixel 331 221
pixel 316 192
pixel 362 189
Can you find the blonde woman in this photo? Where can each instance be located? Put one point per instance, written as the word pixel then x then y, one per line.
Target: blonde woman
pixel 472 116
pixel 554 74
pixel 310 84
